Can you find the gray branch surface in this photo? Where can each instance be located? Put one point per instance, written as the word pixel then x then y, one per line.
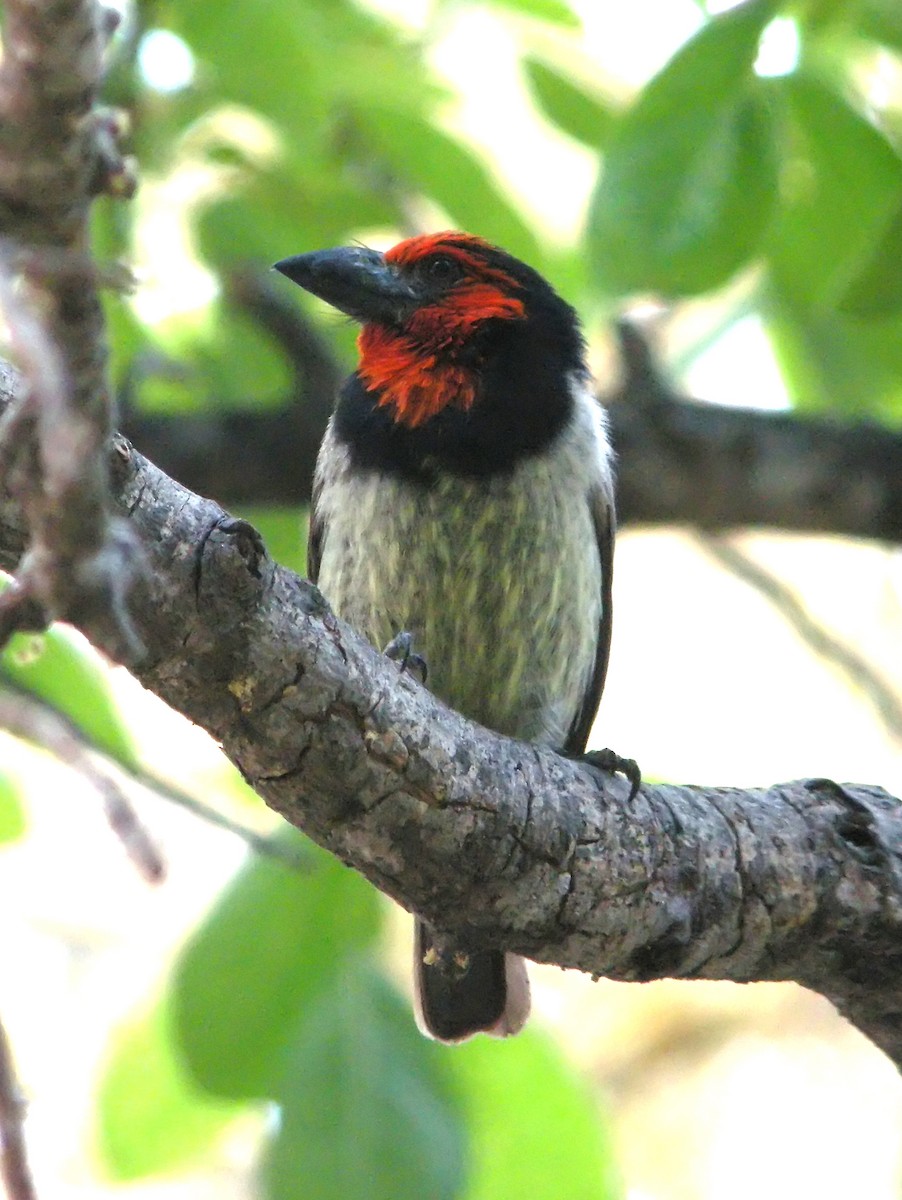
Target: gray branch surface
pixel 518 846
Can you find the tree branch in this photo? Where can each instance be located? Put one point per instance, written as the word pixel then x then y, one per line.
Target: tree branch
pixel 719 468
pixel 56 152
pixel 510 842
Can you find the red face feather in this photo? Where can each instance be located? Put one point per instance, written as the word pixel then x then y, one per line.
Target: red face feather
pixel 418 369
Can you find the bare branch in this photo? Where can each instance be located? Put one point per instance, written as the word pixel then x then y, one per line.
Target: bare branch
pixel 719 468
pixel 27 718
pixel 14 1169
pixel 56 152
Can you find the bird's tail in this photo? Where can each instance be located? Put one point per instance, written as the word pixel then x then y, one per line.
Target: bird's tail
pixel 459 993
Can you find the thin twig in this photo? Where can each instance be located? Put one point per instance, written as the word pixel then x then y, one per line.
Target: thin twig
pixel 294 857
pixel 26 717
pixel 861 673
pixel 14 1169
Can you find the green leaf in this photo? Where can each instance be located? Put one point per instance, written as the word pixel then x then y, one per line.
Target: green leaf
pixel 302 68
pixel 688 183
pixel 12 815
pixel 877 291
pixel 367 1110
pixel 151 1116
pixel 535 1130
pixel 430 161
pixel 556 12
pixel 836 363
pixel 580 113
pixel 61 669
pixel 881 20
pixel 842 188
pixel 274 942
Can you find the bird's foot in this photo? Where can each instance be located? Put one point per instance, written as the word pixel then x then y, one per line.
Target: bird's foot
pixel 400 650
pixel 609 760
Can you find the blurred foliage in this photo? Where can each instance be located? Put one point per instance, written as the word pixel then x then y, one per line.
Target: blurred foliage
pixel 62 671
pixel 699 131
pixel 234 1037
pixel 12 815
pixel 152 1117
pixel 310 122
pixel 324 122
pixel 581 112
pixel 279 997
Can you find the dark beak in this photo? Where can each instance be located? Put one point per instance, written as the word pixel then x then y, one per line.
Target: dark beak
pixel 355 280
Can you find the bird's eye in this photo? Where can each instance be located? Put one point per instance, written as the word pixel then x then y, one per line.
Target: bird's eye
pixel 442 269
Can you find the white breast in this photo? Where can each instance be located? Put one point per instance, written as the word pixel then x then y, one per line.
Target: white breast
pixel 499 580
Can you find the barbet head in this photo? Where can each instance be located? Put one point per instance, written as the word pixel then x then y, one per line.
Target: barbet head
pixel 441 313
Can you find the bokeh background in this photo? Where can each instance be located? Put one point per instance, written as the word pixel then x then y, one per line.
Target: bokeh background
pixel 730 178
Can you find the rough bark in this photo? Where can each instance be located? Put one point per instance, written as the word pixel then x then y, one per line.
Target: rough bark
pixel 520 847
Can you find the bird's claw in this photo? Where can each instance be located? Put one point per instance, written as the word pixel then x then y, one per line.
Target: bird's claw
pixel 615 764
pixel 400 650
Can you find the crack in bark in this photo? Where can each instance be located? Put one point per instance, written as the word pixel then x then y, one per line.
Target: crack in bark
pixel 738 864
pixel 569 890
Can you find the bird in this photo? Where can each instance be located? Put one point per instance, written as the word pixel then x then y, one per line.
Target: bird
pixel 463 509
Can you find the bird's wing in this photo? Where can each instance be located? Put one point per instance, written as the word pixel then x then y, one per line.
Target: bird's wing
pixel 602 507
pixel 315 532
